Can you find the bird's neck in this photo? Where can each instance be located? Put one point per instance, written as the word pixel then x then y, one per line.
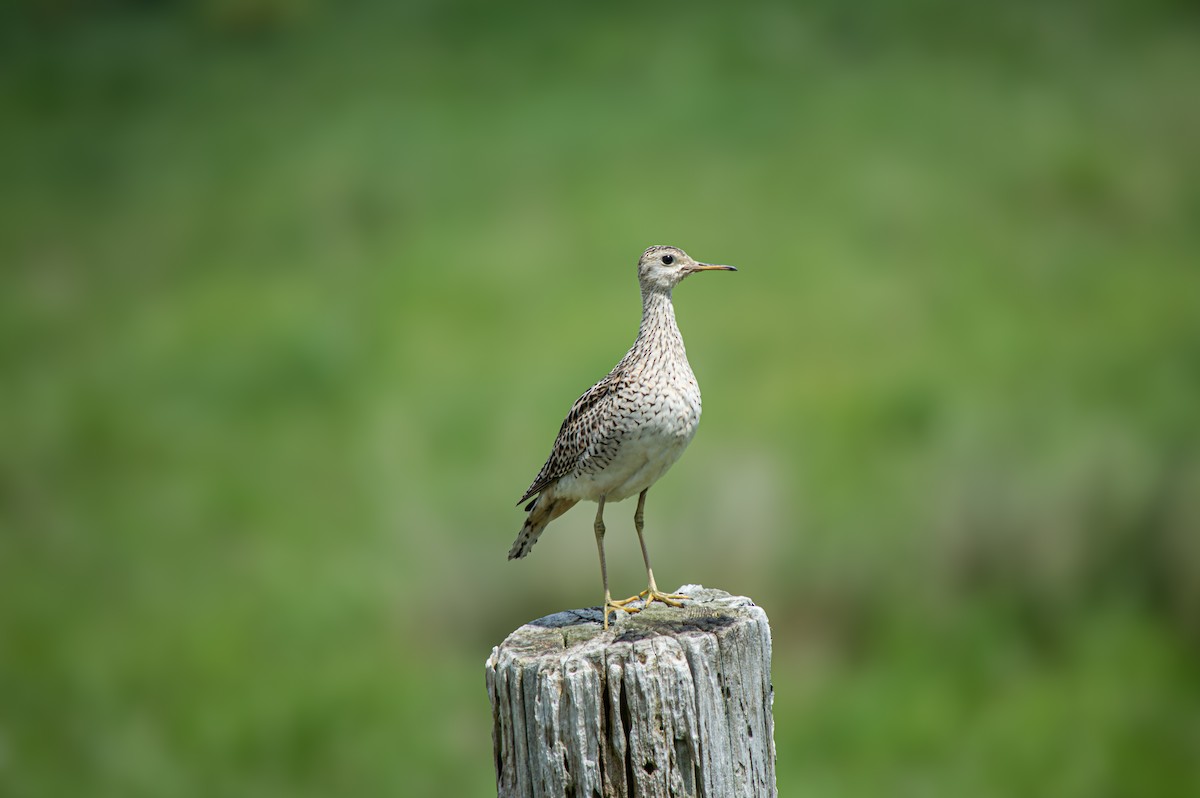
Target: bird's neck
pixel 658 328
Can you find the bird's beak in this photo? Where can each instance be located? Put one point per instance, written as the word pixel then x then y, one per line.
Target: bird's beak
pixel 711 267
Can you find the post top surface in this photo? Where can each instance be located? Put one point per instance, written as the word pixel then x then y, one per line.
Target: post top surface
pixel 707 611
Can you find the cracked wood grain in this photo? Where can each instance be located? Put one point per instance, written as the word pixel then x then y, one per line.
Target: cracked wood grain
pixel 669 702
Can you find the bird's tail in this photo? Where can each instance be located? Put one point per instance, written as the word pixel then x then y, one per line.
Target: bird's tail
pixel 545 508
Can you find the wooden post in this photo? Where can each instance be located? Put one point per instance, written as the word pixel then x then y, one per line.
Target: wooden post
pixel 667 702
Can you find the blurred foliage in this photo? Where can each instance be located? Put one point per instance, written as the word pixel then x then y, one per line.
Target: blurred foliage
pixel 296 294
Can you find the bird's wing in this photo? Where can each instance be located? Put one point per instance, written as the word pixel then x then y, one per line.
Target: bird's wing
pixel 576 435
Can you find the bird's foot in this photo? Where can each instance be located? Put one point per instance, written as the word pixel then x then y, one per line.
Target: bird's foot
pixel 617 606
pixel 652 594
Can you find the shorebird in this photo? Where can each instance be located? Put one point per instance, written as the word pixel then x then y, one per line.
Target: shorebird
pixel 627 429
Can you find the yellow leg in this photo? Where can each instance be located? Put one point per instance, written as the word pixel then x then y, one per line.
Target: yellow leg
pixel 651 593
pixel 609 605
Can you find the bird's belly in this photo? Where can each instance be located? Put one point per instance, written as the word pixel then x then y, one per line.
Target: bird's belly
pixel 643 463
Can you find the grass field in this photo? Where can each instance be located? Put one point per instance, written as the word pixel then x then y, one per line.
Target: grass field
pixel 295 296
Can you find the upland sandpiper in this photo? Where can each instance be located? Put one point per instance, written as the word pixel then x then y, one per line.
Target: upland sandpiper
pixel 628 429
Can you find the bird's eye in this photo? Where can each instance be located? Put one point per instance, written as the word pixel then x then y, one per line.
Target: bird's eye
pixel 668 259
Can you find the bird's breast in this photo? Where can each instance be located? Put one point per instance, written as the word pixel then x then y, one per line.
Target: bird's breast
pixel 666 405
pixel 649 423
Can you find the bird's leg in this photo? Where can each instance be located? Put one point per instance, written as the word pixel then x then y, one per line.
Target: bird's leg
pixel 609 604
pixel 651 593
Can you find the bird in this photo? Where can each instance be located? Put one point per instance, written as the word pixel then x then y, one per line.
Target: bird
pixel 625 431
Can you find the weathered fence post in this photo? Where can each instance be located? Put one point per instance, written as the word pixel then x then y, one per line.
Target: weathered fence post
pixel 668 702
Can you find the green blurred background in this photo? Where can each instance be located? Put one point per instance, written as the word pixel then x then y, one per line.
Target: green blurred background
pixel 295 296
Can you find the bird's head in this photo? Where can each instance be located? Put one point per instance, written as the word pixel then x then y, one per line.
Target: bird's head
pixel 662 268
